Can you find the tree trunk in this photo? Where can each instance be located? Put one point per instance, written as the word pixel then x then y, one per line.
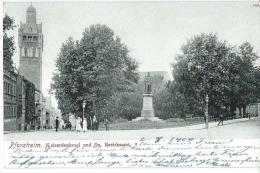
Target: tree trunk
pixel 232 110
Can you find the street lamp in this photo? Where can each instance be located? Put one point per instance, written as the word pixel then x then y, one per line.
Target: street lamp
pixel 94 96
pixel 83 106
pixel 207 112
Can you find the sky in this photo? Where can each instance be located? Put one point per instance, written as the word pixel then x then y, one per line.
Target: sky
pixel 153 31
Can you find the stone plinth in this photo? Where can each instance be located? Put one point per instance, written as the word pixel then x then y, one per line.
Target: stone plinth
pixel 147 111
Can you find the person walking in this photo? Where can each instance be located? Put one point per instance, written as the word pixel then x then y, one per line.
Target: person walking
pixel 57 123
pixel 221 119
pixel 249 116
pixel 95 123
pixel 78 124
pixel 84 125
pixel 106 124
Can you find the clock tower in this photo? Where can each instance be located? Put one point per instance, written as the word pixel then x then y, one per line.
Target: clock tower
pixel 30 40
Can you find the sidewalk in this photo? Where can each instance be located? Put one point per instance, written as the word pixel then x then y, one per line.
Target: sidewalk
pixel 227 122
pixel 237 128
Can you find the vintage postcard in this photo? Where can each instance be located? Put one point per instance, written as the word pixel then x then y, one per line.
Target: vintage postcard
pixel 136 84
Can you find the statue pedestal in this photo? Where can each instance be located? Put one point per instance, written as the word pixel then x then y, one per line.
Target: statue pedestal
pixel 147 111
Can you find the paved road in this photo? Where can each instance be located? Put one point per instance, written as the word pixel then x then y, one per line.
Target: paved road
pixel 239 128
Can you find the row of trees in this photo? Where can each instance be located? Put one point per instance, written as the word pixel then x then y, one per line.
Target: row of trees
pixel 209 66
pixel 98 69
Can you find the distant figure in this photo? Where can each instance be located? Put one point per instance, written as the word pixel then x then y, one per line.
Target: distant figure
pixel 78 124
pixel 57 123
pixel 84 125
pixel 95 123
pixel 106 124
pixel 221 119
pixel 248 115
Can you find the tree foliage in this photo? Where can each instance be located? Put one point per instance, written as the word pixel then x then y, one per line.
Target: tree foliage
pixel 93 69
pixel 30 101
pixel 209 66
pixel 8 43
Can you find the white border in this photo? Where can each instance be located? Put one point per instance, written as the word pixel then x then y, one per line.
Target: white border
pixel 115 170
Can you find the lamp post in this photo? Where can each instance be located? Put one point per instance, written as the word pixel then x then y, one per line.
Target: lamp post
pixel 94 96
pixel 83 106
pixel 206 112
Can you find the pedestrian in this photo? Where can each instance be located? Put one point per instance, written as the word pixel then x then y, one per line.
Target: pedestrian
pixel 78 124
pixel 106 124
pixel 95 123
pixel 85 125
pixel 57 123
pixel 248 115
pixel 221 119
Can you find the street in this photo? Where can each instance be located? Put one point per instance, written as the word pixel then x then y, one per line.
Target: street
pixel 238 128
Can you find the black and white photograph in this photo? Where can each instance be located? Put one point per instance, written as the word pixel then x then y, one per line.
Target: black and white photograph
pixel 131 81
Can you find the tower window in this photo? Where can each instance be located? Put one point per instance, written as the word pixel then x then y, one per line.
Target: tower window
pixel 34 38
pixel 39 52
pixel 29 38
pixel 30 52
pixel 25 52
pixel 34 52
pixel 22 50
pixel 30 29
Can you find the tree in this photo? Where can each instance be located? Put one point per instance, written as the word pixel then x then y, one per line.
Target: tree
pixel 8 43
pixel 242 78
pixel 92 69
pixel 127 105
pixel 201 70
pixel 257 90
pixel 209 66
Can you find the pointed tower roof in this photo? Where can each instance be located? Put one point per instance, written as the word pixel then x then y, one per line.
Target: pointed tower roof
pixel 31 9
pixel 31 14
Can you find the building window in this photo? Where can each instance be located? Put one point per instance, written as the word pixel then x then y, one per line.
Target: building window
pixel 34 38
pixel 14 90
pixel 29 38
pixel 11 90
pixel 30 52
pixel 4 87
pixel 7 88
pixel 24 38
pixel 30 29
pixel 25 52
pixel 39 52
pixel 5 110
pixel 22 51
pixel 34 52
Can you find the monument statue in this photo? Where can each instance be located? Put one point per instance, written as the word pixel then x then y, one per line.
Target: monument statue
pixel 148 84
pixel 147 110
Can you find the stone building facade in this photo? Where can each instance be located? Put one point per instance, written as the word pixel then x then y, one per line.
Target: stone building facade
pixel 10 100
pixel 19 108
